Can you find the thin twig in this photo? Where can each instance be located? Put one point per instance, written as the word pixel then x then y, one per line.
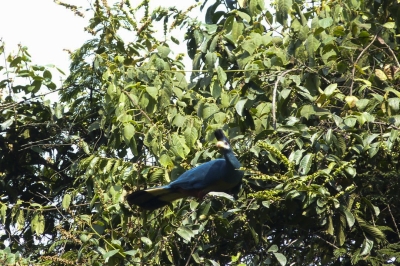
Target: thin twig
pixel 54 208
pixel 10 105
pixel 394 221
pixel 358 59
pixel 40 194
pixel 30 143
pixel 191 252
pixel 6 68
pixel 390 49
pixel 327 242
pixel 140 109
pixel 206 71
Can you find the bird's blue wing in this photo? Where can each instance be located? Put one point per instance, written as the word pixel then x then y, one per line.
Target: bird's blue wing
pixel 201 176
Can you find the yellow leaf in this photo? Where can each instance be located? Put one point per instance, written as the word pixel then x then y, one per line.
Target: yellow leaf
pixel 380 74
pixel 242 3
pixel 351 100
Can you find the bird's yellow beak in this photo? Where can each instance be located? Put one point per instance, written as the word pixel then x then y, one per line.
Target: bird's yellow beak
pixel 221 145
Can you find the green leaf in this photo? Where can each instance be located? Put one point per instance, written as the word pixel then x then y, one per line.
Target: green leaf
pixel 330 89
pixel 6 124
pixel 340 143
pixel 85 147
pixel 222 195
pixel 274 248
pixel 229 23
pixel 211 58
pixel 371 230
pixel 362 104
pixel 369 139
pixel 305 163
pixel 20 219
pixel 340 235
pixel 240 106
pixel 131 252
pixel 213 263
pixel 111 90
pixel 110 253
pixel 59 110
pixel 205 208
pixel 266 204
pixel 163 51
pixel 185 233
pixel 159 65
pixel 196 257
pixel 66 201
pixel 129 131
pixel 350 121
pixel 366 247
pixel 394 103
pixel 296 156
pixel 210 13
pixel 389 25
pixel 235 258
pixel 179 120
pixel 390 89
pixel 328 136
pixel 312 45
pixel 330 230
pixel 371 206
pixel 37 223
pixel 349 216
pixel 47 75
pixel 86 218
pixel 146 241
pixel 233 28
pixel 216 89
pixel 254 234
pixel 166 161
pixel 281 258
pixel 16 61
pixel 175 40
pixel 84 238
pixel 214 43
pixel 95 125
pixel 325 22
pixel 191 136
pixel 153 92
pixel 178 146
pixel 393 135
pixel 193 205
pixel 243 15
pixel 249 46
pixel 306 111
pixel 207 110
pixel 157 175
pixel 221 75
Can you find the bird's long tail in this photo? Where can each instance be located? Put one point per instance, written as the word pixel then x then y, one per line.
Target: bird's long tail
pixel 153 198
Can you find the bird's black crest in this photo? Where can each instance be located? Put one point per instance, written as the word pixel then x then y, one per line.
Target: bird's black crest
pixel 219 135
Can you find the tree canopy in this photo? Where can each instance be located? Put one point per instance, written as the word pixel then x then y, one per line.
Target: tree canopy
pixel 307 91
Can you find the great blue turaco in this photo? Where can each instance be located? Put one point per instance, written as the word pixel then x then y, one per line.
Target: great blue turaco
pixel 219 175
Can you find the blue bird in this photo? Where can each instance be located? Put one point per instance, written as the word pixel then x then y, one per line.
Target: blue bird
pixel 219 175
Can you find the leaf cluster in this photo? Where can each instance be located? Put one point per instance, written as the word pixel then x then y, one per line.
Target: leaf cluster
pixel 308 94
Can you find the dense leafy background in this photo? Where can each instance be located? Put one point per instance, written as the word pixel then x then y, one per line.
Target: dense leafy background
pixel 308 93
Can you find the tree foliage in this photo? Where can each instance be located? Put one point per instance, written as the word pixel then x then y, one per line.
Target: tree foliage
pixel 308 93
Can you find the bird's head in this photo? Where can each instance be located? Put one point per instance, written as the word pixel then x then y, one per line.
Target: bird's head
pixel 223 142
